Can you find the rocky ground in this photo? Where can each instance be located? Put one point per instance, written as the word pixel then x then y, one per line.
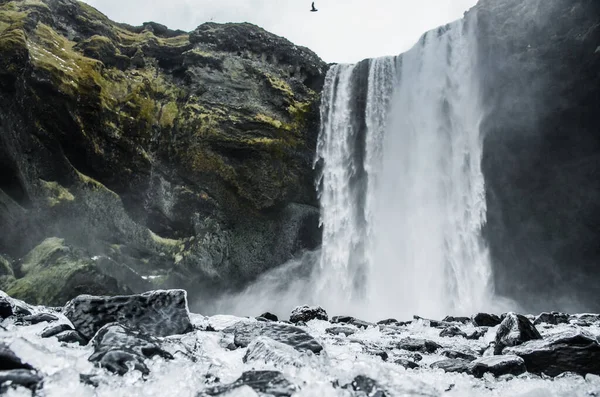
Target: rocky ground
pixel 151 345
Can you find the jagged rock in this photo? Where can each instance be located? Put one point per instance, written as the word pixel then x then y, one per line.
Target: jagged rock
pixel 351 320
pixel 459 355
pixel 9 360
pixel 452 319
pixel 366 387
pixel 453 365
pixel 40 318
pixel 53 331
pixel 514 330
pixel 245 332
pixel 5 308
pixel 418 345
pixel 116 346
pixel 346 331
pixel 553 318
pixel 159 313
pixel 71 337
pixel 269 351
pixel 569 351
pixel 307 313
pixel 498 365
pixel 20 377
pixel 486 320
pixel 406 363
pixel 269 316
pixel 452 332
pixel 270 383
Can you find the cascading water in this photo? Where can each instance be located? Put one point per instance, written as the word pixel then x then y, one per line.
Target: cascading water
pixel 401 189
pixel 402 192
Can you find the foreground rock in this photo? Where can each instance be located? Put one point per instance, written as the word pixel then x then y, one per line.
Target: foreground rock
pixel 453 365
pixel 269 383
pixel 366 387
pixel 159 313
pixel 246 332
pixel 307 313
pixel 569 351
pixel 269 351
pixel 514 330
pixel 14 372
pixel 498 366
pixel 117 347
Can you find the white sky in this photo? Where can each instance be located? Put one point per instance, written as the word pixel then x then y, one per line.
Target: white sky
pixel 341 31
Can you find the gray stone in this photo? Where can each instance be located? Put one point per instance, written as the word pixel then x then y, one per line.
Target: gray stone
pixel 245 332
pixel 159 313
pixel 514 330
pixel 307 313
pixel 498 366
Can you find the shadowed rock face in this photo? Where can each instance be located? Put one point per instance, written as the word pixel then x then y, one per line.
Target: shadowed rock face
pixel 187 157
pixel 539 63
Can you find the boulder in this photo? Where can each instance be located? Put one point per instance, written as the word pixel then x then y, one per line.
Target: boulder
pixel 71 337
pixel 514 330
pixel 418 345
pixel 452 319
pixel 158 313
pixel 452 365
pixel 406 363
pixel 569 351
pixel 352 321
pixel 346 331
pixel 453 331
pixel 6 309
pixel 269 383
pixel 20 377
pixel 245 332
pixel 477 334
pixel 363 386
pixel 498 366
pixel 269 351
pixel 40 318
pixel 9 360
pixel 553 318
pixel 454 354
pixel 269 316
pixel 307 313
pixel 116 347
pixel 486 320
pixel 53 331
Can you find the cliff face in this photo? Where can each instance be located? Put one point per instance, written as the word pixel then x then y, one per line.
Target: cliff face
pixel 183 157
pixel 541 88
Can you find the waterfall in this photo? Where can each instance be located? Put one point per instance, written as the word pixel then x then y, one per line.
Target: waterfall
pixel 401 187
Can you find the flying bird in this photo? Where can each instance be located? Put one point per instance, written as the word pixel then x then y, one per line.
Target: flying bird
pixel 313 7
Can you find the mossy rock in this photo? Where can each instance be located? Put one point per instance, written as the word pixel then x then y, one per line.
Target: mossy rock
pixel 53 273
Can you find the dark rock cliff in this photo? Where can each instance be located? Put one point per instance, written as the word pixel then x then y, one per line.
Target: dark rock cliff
pixel 142 151
pixel 541 87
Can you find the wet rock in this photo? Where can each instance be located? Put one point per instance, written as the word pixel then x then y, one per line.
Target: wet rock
pixel 486 320
pixel 40 318
pixel 498 366
pixel 5 308
pixel 20 377
pixel 9 360
pixel 366 387
pixel 452 365
pixel 50 332
pixel 418 345
pixel 406 363
pixel 459 355
pixel 570 351
pixel 269 316
pixel 553 318
pixel 433 323
pixel 89 379
pixel 246 332
pixel 514 330
pixel 389 321
pixel 347 331
pixel 452 319
pixel 477 334
pixel 269 351
pixel 159 313
pixel 352 321
pixel 116 347
pixel 270 383
pixel 307 313
pixel 452 331
pixel 71 337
